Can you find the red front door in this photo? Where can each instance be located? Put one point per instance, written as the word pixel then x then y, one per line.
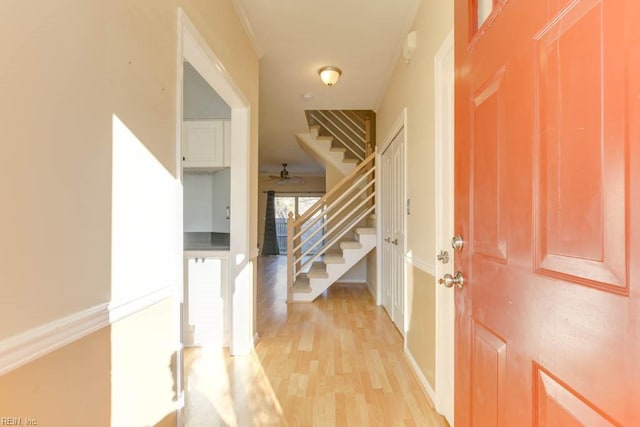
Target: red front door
pixel 548 203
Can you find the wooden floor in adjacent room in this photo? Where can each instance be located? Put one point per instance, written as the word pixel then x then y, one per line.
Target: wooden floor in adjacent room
pixel 338 361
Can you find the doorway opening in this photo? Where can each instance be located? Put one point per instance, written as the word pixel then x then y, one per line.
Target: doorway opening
pixel 235 268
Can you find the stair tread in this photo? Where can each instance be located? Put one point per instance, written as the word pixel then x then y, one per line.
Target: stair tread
pixel 365 230
pixel 334 258
pixel 354 161
pixel 324 138
pixel 350 244
pixel 318 270
pixel 338 149
pixel 302 284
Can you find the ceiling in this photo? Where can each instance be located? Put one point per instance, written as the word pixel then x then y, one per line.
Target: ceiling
pixel 293 39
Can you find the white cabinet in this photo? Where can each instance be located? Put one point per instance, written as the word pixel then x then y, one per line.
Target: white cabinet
pixel 205 144
pixel 205 309
pixel 221 211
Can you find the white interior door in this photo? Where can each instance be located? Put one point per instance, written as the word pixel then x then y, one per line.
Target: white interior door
pixel 445 308
pixel 386 219
pixel 397 207
pixel 392 206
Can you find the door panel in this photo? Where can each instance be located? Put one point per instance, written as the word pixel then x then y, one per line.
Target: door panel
pixel 582 222
pixel 548 202
pixel 488 147
pixel 397 196
pixel 489 375
pixel 387 229
pixel 393 230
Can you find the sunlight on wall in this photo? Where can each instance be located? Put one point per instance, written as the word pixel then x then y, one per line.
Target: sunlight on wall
pixel 144 220
pixel 144 259
pixel 143 359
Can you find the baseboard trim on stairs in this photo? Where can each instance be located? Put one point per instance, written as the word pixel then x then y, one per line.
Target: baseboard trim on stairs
pixel 421 378
pixel 27 346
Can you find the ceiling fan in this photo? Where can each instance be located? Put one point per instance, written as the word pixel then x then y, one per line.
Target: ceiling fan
pixel 285 178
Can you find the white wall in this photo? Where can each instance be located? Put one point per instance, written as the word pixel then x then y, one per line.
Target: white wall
pixel 412 87
pixel 200 101
pixel 73 69
pixel 206 197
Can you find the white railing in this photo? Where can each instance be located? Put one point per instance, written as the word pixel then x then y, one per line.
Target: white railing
pixel 339 211
pixel 348 129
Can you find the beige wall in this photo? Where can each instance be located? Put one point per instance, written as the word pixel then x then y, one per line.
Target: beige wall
pixel 311 183
pixel 70 68
pixel 412 86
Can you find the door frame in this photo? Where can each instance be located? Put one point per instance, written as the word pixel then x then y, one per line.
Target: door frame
pixel 192 47
pixel 444 171
pixel 399 125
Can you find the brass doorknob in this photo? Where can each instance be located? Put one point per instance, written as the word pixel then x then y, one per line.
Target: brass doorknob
pixel 448 280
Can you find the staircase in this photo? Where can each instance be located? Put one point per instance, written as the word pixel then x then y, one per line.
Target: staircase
pixel 337 231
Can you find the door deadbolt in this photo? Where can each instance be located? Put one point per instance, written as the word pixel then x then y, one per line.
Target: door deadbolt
pixel 457 243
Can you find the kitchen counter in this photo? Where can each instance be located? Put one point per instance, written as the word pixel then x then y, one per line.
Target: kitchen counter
pixel 203 241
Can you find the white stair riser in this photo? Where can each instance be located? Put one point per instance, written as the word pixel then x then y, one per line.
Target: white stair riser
pixel 335 271
pixel 320 149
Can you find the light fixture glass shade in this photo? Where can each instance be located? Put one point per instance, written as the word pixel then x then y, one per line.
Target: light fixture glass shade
pixel 329 74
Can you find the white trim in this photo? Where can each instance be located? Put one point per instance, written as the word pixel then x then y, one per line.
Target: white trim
pixel 197 52
pixel 399 126
pixel 421 378
pixel 421 264
pixel 444 212
pixel 378 191
pixel 121 310
pixel 34 343
pixel 27 346
pixel 396 128
pixel 241 11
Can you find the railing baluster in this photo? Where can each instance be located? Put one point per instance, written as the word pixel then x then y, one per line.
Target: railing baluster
pixel 291 274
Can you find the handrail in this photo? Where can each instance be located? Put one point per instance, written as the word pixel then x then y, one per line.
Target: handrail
pixel 338 200
pixel 335 188
pixel 343 206
pixel 334 239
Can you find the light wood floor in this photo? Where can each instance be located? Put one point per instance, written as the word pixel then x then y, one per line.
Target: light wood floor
pixel 338 361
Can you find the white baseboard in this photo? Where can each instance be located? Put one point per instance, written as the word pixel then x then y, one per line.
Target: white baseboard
pixel 421 378
pixel 371 291
pixel 27 346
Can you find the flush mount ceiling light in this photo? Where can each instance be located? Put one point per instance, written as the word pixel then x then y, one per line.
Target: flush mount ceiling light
pixel 329 74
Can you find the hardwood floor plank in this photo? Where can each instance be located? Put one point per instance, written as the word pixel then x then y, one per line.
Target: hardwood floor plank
pixel 338 361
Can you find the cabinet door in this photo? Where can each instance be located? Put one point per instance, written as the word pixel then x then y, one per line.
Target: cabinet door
pixel 203 144
pixel 227 143
pixel 221 191
pixel 205 302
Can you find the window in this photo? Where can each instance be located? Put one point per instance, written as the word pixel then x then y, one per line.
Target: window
pixel 298 205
